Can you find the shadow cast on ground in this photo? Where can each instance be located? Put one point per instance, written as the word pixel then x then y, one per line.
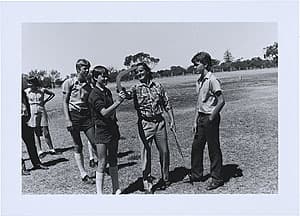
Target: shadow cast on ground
pixel 124 154
pixel 231 171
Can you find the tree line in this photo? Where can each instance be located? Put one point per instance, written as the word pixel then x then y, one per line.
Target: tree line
pixel 52 78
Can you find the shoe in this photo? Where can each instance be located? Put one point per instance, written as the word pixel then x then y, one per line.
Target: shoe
pixel 40 166
pixel 215 184
pixel 196 179
pixel 92 163
pixel 118 192
pixel 165 185
pixel 88 180
pixel 25 172
pixel 148 187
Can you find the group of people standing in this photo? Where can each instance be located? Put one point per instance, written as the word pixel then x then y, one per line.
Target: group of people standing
pixel 89 107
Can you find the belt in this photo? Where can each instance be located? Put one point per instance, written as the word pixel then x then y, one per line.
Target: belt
pixel 203 114
pixel 157 118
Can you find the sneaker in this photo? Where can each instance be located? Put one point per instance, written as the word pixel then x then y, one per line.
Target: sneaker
pixel 88 180
pixel 118 192
pixel 25 172
pixel 214 184
pixel 148 187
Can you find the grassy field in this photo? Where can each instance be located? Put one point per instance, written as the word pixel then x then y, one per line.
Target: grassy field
pixel 248 131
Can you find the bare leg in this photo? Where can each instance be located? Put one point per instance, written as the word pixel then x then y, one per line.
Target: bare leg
pixel 37 133
pixel 48 137
pixel 101 153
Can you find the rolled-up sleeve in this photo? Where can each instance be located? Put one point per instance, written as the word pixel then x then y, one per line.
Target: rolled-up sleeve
pixel 66 86
pixel 215 85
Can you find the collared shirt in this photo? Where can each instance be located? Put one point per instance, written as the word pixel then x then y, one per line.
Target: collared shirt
pixel 99 99
pixel 207 89
pixel 79 93
pixel 150 100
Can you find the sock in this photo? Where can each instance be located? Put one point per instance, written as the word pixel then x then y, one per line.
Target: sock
pixel 80 164
pixel 99 182
pixel 113 172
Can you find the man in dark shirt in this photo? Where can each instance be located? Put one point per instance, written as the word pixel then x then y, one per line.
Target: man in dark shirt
pixel 106 129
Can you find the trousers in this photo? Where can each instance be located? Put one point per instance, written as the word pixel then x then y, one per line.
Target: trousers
pixel 149 132
pixel 207 132
pixel 28 138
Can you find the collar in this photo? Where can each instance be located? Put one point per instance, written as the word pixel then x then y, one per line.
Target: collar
pixel 207 76
pixel 149 85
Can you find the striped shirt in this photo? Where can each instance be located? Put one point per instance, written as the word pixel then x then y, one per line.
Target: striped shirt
pixel 150 100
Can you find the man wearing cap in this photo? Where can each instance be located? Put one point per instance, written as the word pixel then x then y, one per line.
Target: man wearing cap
pixel 210 101
pixel 78 117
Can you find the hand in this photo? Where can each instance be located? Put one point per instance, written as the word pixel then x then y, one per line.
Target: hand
pixel 69 125
pixel 172 126
pixel 122 96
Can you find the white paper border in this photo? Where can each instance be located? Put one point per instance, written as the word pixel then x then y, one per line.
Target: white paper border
pixel 282 12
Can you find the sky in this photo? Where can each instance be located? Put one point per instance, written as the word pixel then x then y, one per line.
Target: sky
pixel 58 45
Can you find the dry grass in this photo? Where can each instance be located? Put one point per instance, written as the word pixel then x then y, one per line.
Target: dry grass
pixel 249 141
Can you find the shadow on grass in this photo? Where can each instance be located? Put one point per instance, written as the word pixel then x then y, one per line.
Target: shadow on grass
pixel 61 150
pixel 121 166
pixel 124 154
pixel 54 162
pixel 177 175
pixel 231 171
pixel 135 186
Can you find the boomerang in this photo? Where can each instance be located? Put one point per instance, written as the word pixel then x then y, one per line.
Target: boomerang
pixel 119 77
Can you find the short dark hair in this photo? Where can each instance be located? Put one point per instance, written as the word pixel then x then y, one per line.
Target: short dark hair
pixel 82 62
pixel 33 80
pixel 204 58
pixel 146 67
pixel 99 70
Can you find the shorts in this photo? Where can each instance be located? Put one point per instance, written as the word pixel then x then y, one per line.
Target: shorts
pixel 81 121
pixel 107 134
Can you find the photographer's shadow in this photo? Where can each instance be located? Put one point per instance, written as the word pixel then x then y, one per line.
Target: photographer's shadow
pixel 231 171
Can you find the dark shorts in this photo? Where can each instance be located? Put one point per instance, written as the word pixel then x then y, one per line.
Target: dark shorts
pixel 106 134
pixel 81 121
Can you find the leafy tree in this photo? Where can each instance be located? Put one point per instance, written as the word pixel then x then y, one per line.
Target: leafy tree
pixel 271 52
pixel 228 56
pixel 54 75
pixel 140 57
pixel 38 73
pixel 177 70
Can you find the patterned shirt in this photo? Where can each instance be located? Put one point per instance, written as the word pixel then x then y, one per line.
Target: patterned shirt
pixel 207 89
pixel 150 100
pixel 79 93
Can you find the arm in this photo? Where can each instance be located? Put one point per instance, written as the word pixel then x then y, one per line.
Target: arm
pixel 107 112
pixel 219 106
pixel 195 119
pixel 168 108
pixel 50 97
pixel 66 98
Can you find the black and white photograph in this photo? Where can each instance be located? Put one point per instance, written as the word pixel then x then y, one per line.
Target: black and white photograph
pixel 153 108
pixel 149 108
